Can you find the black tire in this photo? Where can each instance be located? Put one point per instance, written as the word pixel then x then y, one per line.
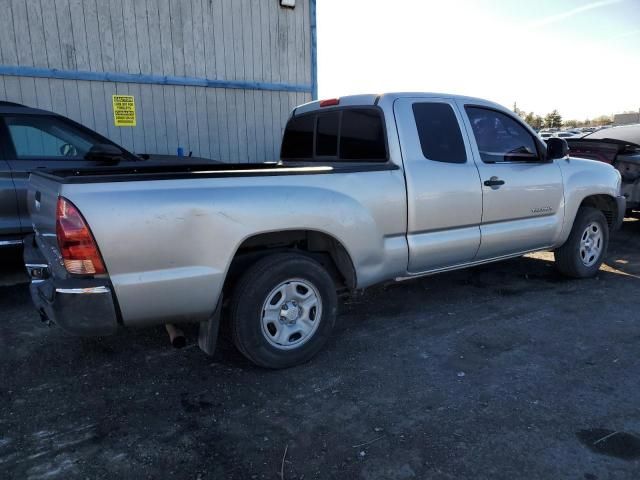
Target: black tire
pixel 250 294
pixel 569 258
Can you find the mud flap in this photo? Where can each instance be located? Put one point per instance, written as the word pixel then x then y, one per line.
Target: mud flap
pixel 208 332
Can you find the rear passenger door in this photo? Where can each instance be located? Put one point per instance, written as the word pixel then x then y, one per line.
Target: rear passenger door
pixel 444 196
pixel 523 194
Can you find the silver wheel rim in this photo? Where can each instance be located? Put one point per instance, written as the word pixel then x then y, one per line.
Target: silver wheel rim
pixel 591 244
pixel 291 314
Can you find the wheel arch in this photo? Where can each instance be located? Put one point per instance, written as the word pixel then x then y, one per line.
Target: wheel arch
pixel 605 203
pixel 323 247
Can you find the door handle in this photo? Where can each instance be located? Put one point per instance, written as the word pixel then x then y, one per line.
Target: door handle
pixel 493 182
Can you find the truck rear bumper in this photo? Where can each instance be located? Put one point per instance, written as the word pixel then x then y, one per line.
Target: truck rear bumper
pixel 82 306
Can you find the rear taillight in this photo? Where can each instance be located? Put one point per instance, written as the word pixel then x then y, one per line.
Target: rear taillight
pixel 77 246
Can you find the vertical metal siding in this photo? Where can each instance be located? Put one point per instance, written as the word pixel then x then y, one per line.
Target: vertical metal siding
pixel 227 40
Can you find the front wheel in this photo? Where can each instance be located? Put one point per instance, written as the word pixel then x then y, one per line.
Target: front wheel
pixel 283 310
pixel 585 249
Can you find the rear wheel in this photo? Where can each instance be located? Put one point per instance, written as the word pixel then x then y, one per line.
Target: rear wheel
pixel 282 310
pixel 585 249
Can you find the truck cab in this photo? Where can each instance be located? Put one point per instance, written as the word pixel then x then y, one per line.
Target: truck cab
pixel 479 181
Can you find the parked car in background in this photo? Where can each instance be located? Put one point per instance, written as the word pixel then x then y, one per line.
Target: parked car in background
pixel 617 146
pixel 368 188
pixel 568 133
pixel 558 134
pixel 32 139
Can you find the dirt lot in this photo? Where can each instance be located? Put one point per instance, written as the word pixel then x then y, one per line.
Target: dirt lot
pixel 504 371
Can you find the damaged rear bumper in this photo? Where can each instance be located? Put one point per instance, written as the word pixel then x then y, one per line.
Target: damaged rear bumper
pixel 82 306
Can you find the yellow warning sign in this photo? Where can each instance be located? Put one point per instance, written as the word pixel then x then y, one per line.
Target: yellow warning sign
pixel 124 110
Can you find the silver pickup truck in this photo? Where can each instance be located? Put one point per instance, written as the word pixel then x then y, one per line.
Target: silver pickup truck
pixel 368 188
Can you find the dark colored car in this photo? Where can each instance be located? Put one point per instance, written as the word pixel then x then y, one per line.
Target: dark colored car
pixel 33 139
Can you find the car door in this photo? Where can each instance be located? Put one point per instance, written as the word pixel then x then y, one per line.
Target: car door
pixel 36 141
pixel 444 197
pixel 522 193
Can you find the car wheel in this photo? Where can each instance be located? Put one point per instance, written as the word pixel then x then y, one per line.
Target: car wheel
pixel 282 310
pixel 585 249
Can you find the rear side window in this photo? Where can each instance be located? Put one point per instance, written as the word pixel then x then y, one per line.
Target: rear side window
pixel 298 138
pixel 439 132
pixel 349 135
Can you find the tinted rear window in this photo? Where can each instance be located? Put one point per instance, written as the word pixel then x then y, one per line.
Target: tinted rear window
pixel 350 135
pixel 362 136
pixel 298 138
pixel 439 132
pixel 327 134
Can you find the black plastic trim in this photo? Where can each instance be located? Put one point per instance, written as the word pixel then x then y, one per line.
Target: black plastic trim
pixel 172 172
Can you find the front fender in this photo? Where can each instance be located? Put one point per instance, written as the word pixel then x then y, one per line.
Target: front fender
pixel 582 179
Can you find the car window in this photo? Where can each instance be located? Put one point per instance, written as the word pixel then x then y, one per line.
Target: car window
pixel 362 135
pixel 297 141
pixel 327 134
pixel 350 135
pixel 439 132
pixel 51 137
pixel 501 138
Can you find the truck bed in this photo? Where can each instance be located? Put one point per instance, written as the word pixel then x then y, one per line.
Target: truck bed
pixel 168 234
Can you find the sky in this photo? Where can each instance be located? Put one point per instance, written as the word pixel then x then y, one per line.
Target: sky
pixel 581 57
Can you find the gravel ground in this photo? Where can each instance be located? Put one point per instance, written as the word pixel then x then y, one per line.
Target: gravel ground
pixel 503 371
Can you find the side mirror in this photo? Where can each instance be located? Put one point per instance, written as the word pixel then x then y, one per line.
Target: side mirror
pixel 557 148
pixel 104 152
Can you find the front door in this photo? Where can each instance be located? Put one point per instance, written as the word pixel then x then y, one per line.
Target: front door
pixel 444 197
pixel 522 193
